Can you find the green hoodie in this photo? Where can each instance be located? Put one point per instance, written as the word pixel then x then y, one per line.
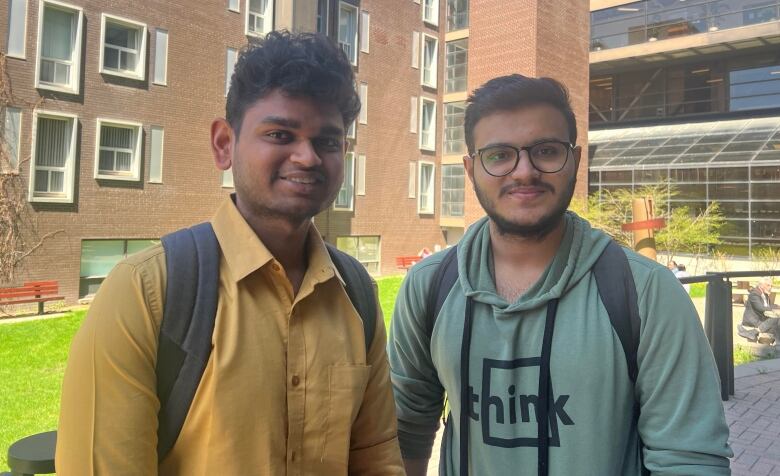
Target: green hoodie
pixel 592 429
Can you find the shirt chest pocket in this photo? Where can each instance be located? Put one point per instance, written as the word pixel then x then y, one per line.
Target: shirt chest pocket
pixel 346 387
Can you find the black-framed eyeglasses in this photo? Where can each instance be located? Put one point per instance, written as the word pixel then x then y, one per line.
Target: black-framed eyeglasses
pixel 548 156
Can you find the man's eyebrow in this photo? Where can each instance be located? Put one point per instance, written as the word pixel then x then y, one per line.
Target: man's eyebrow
pixel 331 131
pixel 282 121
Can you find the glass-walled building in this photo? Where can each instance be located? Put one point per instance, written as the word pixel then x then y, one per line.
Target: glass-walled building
pixel 689 92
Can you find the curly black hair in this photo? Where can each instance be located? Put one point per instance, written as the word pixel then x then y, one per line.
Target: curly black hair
pixel 514 91
pixel 300 65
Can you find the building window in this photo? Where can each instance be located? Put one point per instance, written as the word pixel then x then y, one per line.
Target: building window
pixel 351 133
pixel 322 16
pixel 415 49
pixel 230 65
pixel 457 65
pixel 234 5
pixel 119 150
pixel 344 200
pixel 124 47
pixel 429 68
pixel 259 17
pixel 413 114
pixel 98 258
pixel 430 11
pixel 755 88
pixel 425 187
pixel 59 47
pixel 457 14
pixel 156 160
pixel 54 157
pixel 454 139
pixel 360 173
pixel 427 124
pixel 453 183
pixel 412 193
pixel 365 31
pixel 12 119
pixel 160 57
pixel 363 116
pixel 348 30
pixel 17 28
pixel 363 248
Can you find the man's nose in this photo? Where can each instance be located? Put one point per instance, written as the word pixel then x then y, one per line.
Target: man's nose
pixel 305 154
pixel 524 168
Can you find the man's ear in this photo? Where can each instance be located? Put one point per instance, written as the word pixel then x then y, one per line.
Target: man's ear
pixel 468 166
pixel 577 151
pixel 222 143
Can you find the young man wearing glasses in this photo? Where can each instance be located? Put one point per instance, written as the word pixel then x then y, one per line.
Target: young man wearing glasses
pixel 537 378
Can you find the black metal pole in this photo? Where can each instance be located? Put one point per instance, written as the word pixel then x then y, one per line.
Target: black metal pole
pixel 718 325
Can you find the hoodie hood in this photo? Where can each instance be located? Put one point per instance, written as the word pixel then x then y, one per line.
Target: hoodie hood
pixel 580 248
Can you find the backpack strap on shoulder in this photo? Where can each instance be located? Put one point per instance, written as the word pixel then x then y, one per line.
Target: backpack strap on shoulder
pixel 618 293
pixel 443 280
pixel 191 295
pixel 359 289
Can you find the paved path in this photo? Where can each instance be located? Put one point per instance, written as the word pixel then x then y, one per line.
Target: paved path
pixel 753 414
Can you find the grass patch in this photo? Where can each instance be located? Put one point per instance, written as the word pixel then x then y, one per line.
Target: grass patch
pixel 698 290
pixel 388 290
pixel 32 363
pixel 742 355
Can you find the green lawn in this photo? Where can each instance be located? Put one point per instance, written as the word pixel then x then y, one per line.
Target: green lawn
pixel 32 362
pixel 388 289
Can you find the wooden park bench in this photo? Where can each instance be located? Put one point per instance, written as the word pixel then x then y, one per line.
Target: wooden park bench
pixel 34 291
pixel 406 262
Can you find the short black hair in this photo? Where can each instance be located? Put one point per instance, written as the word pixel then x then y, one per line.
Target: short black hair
pixel 300 65
pixel 507 93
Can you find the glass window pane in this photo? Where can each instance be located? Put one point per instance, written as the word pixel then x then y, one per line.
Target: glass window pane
pixel 17 16
pixel 457 14
pixel 651 175
pixel 727 174
pixel 160 56
pixel 694 192
pixel 110 58
pixel 98 257
pixel 766 173
pixel 134 246
pixel 735 228
pixel 456 66
pixel 734 209
pixel 765 210
pixel 729 191
pixel 765 191
pixel 368 248
pixel 766 229
pixel 616 176
pixel 58 33
pixel 688 175
pixel 53 142
pixel 348 244
pixel 454 139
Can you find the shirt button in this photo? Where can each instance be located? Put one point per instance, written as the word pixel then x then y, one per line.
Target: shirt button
pixel 276 267
pixel 296 380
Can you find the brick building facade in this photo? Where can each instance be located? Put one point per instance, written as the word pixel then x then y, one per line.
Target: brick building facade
pixel 112 102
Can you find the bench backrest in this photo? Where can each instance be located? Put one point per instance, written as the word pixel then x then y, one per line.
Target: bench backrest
pixel 406 261
pixel 30 289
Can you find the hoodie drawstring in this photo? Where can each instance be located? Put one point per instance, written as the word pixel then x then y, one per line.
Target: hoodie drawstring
pixel 544 391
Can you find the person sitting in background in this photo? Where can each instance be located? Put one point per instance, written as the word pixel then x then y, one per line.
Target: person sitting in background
pixel 683 273
pixel 760 322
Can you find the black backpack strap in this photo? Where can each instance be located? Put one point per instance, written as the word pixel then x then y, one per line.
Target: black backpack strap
pixel 443 280
pixel 359 289
pixel 618 293
pixel 192 264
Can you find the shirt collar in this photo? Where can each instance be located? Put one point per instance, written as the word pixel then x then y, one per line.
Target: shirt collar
pixel 245 253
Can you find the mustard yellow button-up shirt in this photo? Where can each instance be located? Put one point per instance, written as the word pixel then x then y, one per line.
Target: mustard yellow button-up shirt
pixel 289 388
